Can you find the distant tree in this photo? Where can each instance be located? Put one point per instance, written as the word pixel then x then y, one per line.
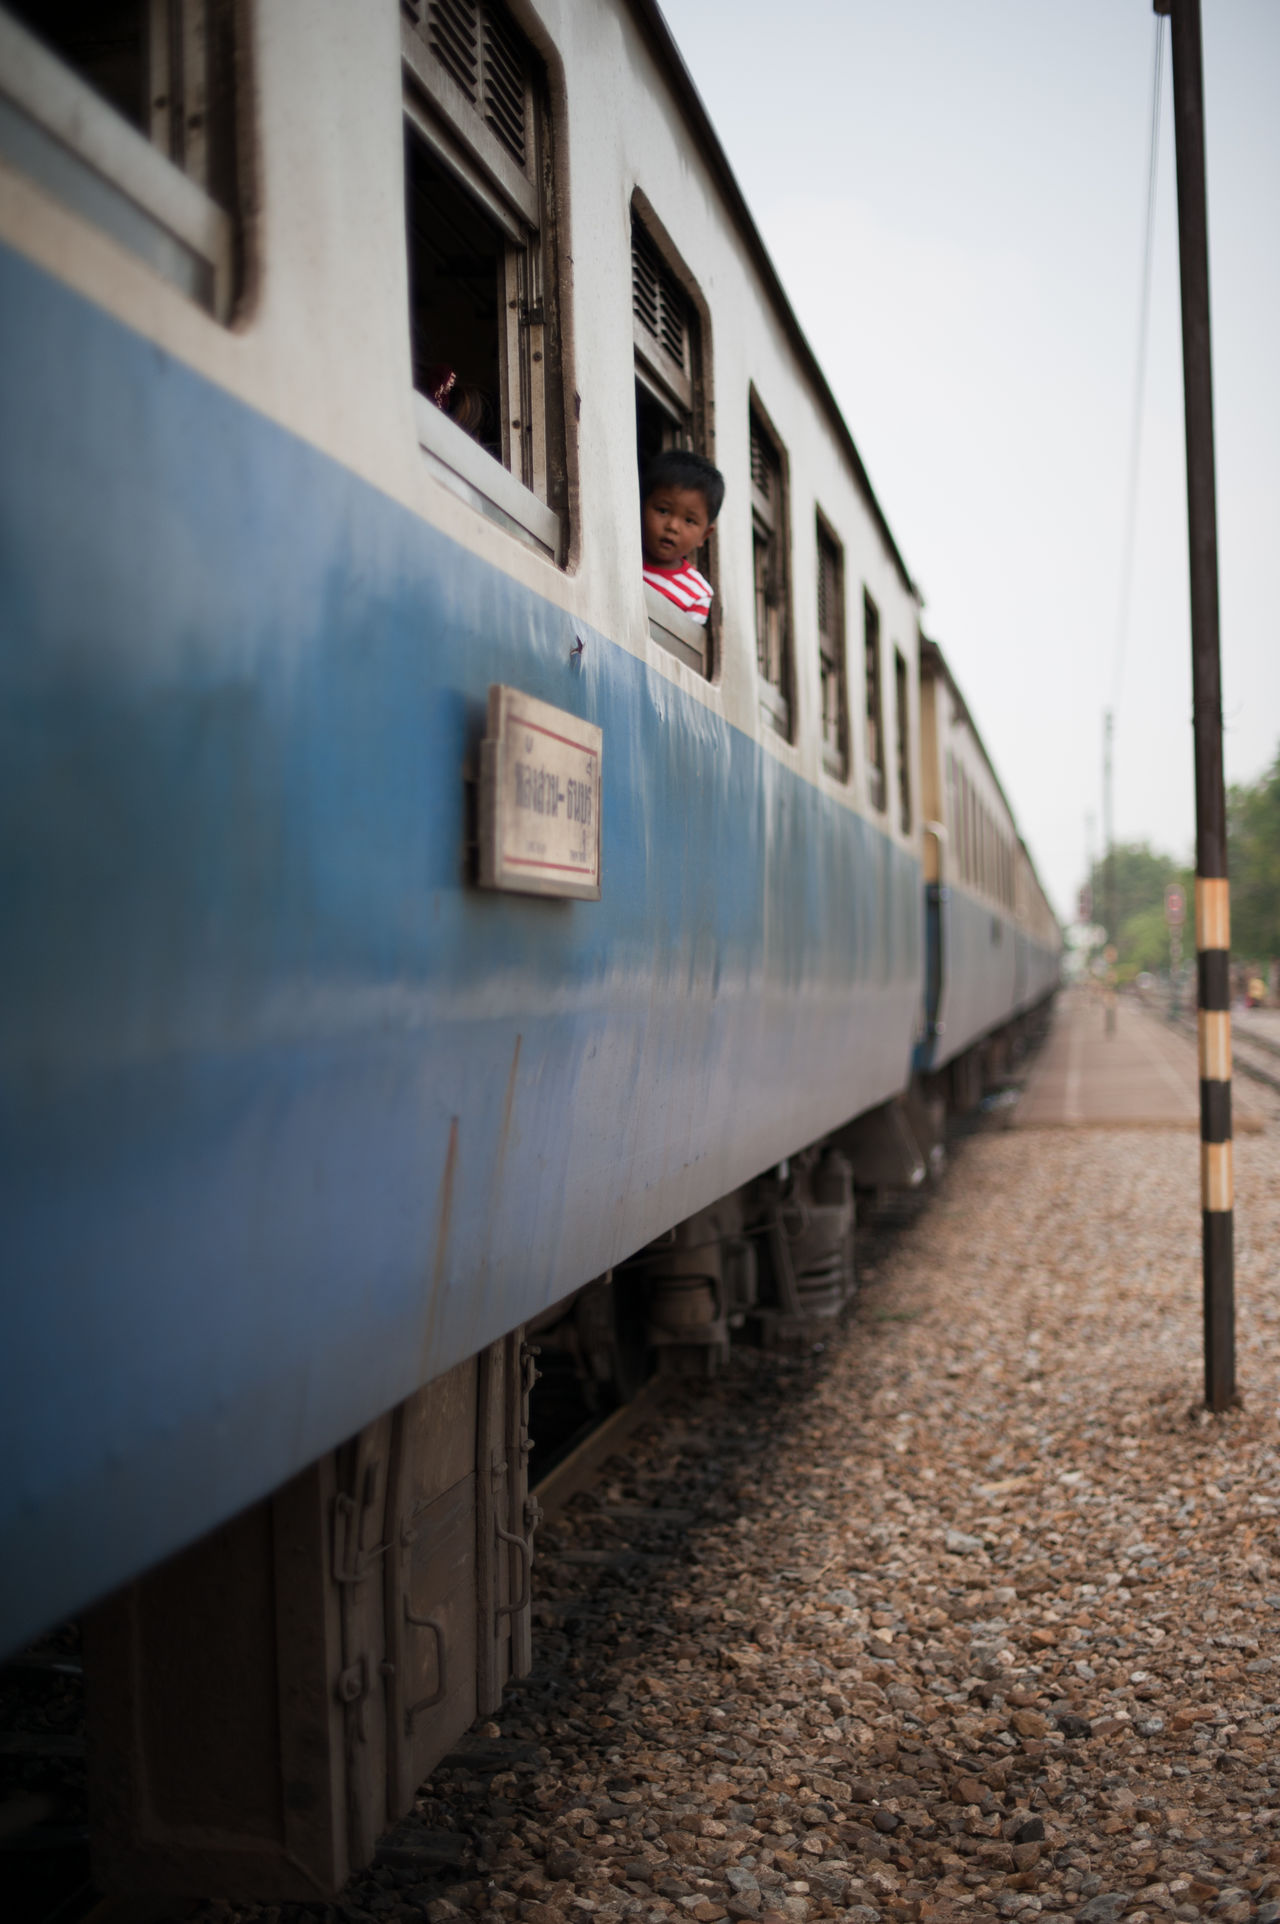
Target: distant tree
pixel 1253 858
pixel 1144 942
pixel 1141 876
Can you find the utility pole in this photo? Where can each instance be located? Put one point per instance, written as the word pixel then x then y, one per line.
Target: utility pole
pixel 1213 920
pixel 1108 839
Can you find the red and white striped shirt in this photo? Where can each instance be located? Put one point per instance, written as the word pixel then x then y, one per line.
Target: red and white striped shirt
pixel 690 591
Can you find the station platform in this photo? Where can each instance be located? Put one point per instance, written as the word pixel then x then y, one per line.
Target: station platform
pixel 1143 1076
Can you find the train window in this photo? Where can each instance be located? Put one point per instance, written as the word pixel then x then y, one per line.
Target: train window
pixel 875 702
pixel 831 653
pixel 124 110
pixel 966 826
pixel 481 292
pixel 953 819
pixel 901 689
pixel 992 885
pixel 671 408
pixel 990 826
pixel 772 589
pixel 666 333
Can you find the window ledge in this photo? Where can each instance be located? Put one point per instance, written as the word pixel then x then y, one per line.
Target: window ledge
pixel 683 637
pixel 465 467
pixel 72 143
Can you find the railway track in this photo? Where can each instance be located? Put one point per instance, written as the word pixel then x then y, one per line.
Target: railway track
pixel 1252 1055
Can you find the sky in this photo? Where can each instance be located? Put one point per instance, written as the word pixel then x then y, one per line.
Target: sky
pixel 955 199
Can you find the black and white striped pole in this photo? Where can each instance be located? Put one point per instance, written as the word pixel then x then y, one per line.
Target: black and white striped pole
pixel 1213 919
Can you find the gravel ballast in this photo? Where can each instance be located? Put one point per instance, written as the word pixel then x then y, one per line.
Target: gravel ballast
pixel 973 1614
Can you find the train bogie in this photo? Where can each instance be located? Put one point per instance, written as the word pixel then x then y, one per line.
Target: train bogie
pixel 264 1705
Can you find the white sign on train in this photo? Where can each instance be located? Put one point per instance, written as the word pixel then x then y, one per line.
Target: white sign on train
pixel 539 799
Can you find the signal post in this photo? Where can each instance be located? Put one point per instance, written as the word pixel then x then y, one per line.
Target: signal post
pixel 1212 910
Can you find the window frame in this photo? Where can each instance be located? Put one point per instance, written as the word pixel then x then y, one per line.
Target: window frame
pixel 902 706
pixel 673 384
pixel 966 825
pixel 771 528
pixel 969 861
pixel 58 131
pixel 683 394
pixel 837 758
pixel 952 818
pixel 525 492
pixel 873 704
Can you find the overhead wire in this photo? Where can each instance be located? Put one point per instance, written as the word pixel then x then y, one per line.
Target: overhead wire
pixel 1140 376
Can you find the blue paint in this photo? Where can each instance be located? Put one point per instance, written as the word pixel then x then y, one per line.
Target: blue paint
pixel 246 987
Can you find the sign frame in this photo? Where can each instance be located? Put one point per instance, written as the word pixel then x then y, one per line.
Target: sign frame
pixel 540 790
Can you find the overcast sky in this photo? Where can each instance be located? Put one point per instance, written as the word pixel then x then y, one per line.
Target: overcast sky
pixel 954 196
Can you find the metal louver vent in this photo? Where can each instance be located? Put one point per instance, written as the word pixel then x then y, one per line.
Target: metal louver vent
pixel 763 461
pixel 479 48
pixel 453 34
pixel 672 321
pixel 644 283
pixel 505 84
pixel 657 299
pixel 827 588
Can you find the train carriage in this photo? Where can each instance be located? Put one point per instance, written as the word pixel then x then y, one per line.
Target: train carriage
pixel 333 338
pixel 993 943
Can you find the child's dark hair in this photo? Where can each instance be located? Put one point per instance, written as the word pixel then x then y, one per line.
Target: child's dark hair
pixel 682 468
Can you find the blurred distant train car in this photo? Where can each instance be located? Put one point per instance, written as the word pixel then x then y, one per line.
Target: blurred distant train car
pixel 332 336
pixel 993 944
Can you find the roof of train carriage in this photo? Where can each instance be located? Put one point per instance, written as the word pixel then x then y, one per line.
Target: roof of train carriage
pixel 651 21
pixel 932 658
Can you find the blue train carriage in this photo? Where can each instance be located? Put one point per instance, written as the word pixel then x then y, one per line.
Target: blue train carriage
pixel 332 338
pixel 993 943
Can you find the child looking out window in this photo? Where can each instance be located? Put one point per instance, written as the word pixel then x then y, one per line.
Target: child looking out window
pixel 681 494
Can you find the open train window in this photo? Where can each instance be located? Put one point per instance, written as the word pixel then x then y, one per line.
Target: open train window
pixel 671 409
pixel 124 110
pixel 482 314
pixel 875 702
pixel 902 697
pixel 769 549
pixel 831 654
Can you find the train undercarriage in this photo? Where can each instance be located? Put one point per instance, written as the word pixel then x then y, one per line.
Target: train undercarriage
pixel 263 1706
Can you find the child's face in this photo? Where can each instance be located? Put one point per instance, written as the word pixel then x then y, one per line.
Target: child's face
pixel 673 523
